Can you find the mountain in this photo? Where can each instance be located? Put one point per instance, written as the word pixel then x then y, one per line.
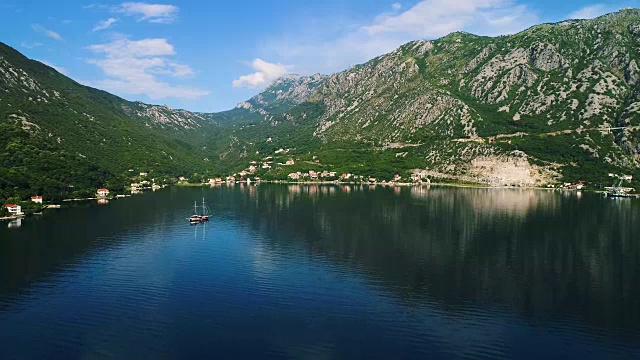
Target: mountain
pixel 555 101
pixel 283 94
pixel 50 116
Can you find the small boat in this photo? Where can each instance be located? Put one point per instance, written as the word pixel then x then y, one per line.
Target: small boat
pixel 617 191
pixel 195 218
pixel 205 212
pixel 198 218
pixel 618 194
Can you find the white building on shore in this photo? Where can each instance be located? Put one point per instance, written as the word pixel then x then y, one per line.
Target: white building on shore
pixel 14 209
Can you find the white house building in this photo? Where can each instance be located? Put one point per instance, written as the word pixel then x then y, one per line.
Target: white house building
pixel 102 192
pixel 14 209
pixel 37 199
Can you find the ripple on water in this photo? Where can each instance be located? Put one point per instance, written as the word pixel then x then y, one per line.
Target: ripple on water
pixel 294 275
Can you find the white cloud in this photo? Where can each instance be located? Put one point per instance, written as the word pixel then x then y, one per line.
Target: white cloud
pixel 318 50
pixel 30 45
pixel 59 69
pixel 396 6
pixel 135 67
pixel 590 12
pixel 50 33
pixel 105 24
pixel 436 18
pixel 155 13
pixel 266 73
pixel 126 48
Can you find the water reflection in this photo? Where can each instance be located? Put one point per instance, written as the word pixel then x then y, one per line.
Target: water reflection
pixel 15 223
pixel 327 271
pixel 541 253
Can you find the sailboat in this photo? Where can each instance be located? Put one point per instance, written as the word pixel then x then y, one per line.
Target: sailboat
pixel 195 218
pixel 205 212
pixel 198 218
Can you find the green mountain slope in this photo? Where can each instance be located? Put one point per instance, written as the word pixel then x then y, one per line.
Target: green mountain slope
pixel 89 126
pixel 557 102
pixel 525 109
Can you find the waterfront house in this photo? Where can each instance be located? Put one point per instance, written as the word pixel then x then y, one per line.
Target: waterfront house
pixel 102 192
pixel 397 177
pixel 313 174
pixel 14 209
pixel 294 176
pixel 37 199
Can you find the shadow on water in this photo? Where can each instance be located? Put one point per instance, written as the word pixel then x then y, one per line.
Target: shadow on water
pixel 43 245
pixel 544 254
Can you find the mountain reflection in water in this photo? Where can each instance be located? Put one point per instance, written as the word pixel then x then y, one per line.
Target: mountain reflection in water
pixel 326 271
pixel 542 253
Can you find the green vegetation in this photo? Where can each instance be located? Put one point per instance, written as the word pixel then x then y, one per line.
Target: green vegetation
pixel 410 109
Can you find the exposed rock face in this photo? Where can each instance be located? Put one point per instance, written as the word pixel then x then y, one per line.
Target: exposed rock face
pixel 545 57
pixel 632 73
pixel 165 116
pixel 288 91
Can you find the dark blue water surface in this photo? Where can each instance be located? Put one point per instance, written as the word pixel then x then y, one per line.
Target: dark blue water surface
pixel 325 272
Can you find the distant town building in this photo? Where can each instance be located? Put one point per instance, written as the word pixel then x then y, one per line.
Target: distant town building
pixel 102 192
pixel 14 209
pixel 313 174
pixel 290 162
pixel 266 166
pixel 182 178
pixel 294 176
pixel 397 177
pixel 144 173
pixel 37 199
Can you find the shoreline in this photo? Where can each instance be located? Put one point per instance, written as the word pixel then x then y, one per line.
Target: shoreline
pixel 285 182
pixel 458 185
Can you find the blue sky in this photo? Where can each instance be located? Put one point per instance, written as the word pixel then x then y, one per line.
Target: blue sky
pixel 210 55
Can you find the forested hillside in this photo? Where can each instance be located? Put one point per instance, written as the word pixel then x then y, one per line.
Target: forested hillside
pixel 557 102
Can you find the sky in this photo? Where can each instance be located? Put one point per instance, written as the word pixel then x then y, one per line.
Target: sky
pixel 209 55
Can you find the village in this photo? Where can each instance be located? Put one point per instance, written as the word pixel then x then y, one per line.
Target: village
pixel 272 169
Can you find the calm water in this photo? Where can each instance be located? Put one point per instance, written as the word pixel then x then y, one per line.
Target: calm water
pixel 325 272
